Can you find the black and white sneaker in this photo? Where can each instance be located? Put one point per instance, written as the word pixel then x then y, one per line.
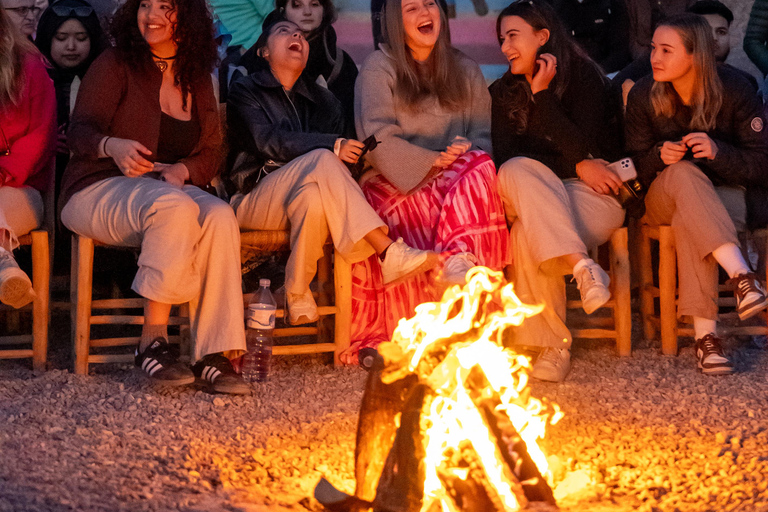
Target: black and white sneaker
pixel 710 357
pixel 161 362
pixel 217 371
pixel 750 295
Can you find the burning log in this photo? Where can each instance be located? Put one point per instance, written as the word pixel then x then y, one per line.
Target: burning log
pixel 447 422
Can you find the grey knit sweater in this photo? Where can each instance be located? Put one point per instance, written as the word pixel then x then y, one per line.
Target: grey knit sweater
pixel 411 140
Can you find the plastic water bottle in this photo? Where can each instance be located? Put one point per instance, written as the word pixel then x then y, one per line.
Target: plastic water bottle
pixel 260 322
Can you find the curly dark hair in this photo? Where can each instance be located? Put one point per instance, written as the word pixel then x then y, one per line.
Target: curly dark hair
pixel 193 34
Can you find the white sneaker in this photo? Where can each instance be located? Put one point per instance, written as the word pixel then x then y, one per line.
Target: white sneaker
pixel 15 286
pixel 402 262
pixel 456 268
pixel 302 308
pixel 552 365
pixel 593 283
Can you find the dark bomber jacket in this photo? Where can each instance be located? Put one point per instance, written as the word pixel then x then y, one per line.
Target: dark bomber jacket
pixel 265 122
pixel 740 135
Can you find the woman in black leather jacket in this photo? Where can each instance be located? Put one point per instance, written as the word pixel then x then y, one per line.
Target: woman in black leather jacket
pixel 288 170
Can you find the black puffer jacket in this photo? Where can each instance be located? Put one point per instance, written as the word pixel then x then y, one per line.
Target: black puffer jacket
pixel 740 135
pixel 267 123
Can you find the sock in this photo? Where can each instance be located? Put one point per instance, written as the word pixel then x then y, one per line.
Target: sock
pixel 150 333
pixel 730 258
pixel 703 326
pixel 384 252
pixel 582 263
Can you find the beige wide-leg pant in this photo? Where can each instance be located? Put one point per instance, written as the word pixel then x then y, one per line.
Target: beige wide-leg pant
pixel 703 217
pixel 190 250
pixel 315 196
pixel 21 211
pixel 550 218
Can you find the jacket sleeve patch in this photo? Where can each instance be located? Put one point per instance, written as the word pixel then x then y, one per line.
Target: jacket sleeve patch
pixel 757 124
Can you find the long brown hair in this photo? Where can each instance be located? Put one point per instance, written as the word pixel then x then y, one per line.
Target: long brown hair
pixel 707 95
pixel 441 76
pixel 13 50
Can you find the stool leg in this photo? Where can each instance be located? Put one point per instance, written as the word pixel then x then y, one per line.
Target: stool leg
pixel 622 311
pixel 343 298
pixel 646 286
pixel 667 291
pixel 324 272
pixel 80 297
pixel 41 279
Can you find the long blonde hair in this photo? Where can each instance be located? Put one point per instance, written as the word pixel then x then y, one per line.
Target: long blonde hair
pixel 443 77
pixel 13 49
pixel 707 96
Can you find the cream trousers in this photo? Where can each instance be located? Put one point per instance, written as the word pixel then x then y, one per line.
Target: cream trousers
pixel 703 217
pixel 21 211
pixel 550 218
pixel 314 195
pixel 190 250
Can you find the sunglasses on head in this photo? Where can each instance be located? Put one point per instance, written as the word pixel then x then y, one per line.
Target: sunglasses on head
pixel 81 11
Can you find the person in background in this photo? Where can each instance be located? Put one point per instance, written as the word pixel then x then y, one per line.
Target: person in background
pixel 756 35
pixel 431 178
pixel 69 35
pixel 600 27
pixel 719 17
pixel 286 131
pixel 27 141
pixel 697 135
pixel 552 139
pixel 145 137
pixel 22 15
pixel 328 64
pixel 41 5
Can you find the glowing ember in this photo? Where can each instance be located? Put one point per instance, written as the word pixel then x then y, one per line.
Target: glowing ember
pixel 479 409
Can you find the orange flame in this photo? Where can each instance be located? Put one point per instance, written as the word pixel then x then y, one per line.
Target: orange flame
pixel 466 329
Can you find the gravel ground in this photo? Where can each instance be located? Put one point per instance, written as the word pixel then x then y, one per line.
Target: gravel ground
pixel 643 433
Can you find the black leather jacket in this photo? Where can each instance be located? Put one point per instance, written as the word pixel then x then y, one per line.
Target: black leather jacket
pixel 268 126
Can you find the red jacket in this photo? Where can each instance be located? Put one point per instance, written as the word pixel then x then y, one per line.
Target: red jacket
pixel 30 128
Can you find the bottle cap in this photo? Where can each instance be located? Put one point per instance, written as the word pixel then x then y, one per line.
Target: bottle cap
pixel 264 283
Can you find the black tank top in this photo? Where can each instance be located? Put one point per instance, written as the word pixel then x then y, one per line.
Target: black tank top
pixel 177 138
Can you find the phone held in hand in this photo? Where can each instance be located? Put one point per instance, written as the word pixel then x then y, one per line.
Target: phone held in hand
pixel 630 189
pixel 369 144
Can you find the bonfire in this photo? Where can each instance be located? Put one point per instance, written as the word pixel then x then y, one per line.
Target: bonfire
pixel 447 422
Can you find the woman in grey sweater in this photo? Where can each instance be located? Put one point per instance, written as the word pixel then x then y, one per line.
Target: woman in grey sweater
pixel 431 179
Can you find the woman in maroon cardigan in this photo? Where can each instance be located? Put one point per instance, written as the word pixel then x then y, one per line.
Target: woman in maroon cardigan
pixel 27 141
pixel 145 137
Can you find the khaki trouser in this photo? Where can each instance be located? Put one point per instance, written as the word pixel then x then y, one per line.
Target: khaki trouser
pixel 315 196
pixel 190 250
pixel 550 218
pixel 21 211
pixel 703 217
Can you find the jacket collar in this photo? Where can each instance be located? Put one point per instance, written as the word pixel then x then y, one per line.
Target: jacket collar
pixel 263 77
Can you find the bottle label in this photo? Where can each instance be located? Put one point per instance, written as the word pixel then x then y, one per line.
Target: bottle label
pixel 261 318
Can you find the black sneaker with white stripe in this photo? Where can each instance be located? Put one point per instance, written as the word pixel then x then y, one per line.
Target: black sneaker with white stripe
pixel 710 356
pixel 161 362
pixel 217 371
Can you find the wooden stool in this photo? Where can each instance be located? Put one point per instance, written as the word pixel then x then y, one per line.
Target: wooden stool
pixel 41 276
pixel 619 325
pixel 665 322
pixel 331 264
pixel 83 307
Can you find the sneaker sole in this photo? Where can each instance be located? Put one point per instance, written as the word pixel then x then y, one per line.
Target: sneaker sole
pixel 16 292
pixel 169 383
pixel 602 301
pixel 428 264
pixel 716 371
pixel 753 310
pixel 303 319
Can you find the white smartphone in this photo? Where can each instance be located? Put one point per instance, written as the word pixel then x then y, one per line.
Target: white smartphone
pixel 624 169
